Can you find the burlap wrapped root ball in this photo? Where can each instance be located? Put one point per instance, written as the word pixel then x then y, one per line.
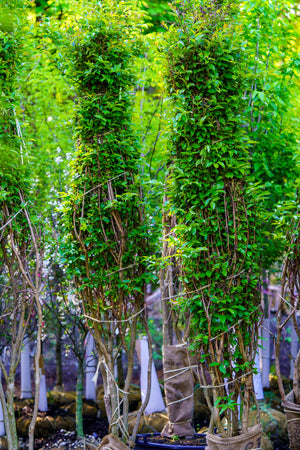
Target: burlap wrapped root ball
pixel 151 423
pixel 110 442
pixel 266 443
pixel 273 422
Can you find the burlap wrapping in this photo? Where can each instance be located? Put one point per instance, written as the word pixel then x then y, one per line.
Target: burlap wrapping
pixel 110 442
pixel 292 413
pixel 179 391
pixel 41 364
pixel 249 440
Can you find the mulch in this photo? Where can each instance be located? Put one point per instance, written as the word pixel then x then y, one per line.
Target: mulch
pixel 95 428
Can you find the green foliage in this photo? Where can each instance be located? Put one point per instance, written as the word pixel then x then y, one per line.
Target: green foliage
pixel 48 113
pixel 216 207
pixel 270 115
pixel 105 244
pixel 29 84
pixel 10 63
pixel 159 13
pixel 14 174
pixel 106 234
pixel 150 121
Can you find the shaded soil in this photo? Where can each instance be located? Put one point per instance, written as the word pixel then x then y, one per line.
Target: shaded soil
pixel 95 428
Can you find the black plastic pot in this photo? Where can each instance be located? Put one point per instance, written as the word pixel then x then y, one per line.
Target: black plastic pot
pixel 143 441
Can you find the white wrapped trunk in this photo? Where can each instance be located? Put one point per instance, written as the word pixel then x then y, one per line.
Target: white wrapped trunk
pixel 156 402
pixel 43 404
pixel 2 426
pixel 265 353
pixel 26 391
pixel 90 368
pixel 257 379
pixel 294 349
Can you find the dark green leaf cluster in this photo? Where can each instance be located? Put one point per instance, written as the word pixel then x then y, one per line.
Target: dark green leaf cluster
pixel 217 208
pixel 209 193
pixel 159 13
pixel 104 209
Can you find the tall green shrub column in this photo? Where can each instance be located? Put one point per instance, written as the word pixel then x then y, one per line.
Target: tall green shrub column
pixel 106 244
pixel 215 206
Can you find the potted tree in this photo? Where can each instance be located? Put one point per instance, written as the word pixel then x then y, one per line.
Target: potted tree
pixel 107 234
pixel 216 210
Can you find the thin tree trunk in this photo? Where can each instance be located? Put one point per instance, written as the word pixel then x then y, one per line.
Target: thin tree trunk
pixel 265 351
pixel 164 280
pixel 279 333
pixel 5 416
pixel 79 395
pixel 14 442
pixel 59 378
pixel 120 370
pixel 144 404
pixel 129 375
pixel 37 373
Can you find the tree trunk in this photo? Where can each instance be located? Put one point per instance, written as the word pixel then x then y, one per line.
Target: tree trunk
pixel 120 370
pixel 164 280
pixel 59 378
pixel 110 397
pixel 114 423
pixel 37 373
pixel 79 395
pixel 13 442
